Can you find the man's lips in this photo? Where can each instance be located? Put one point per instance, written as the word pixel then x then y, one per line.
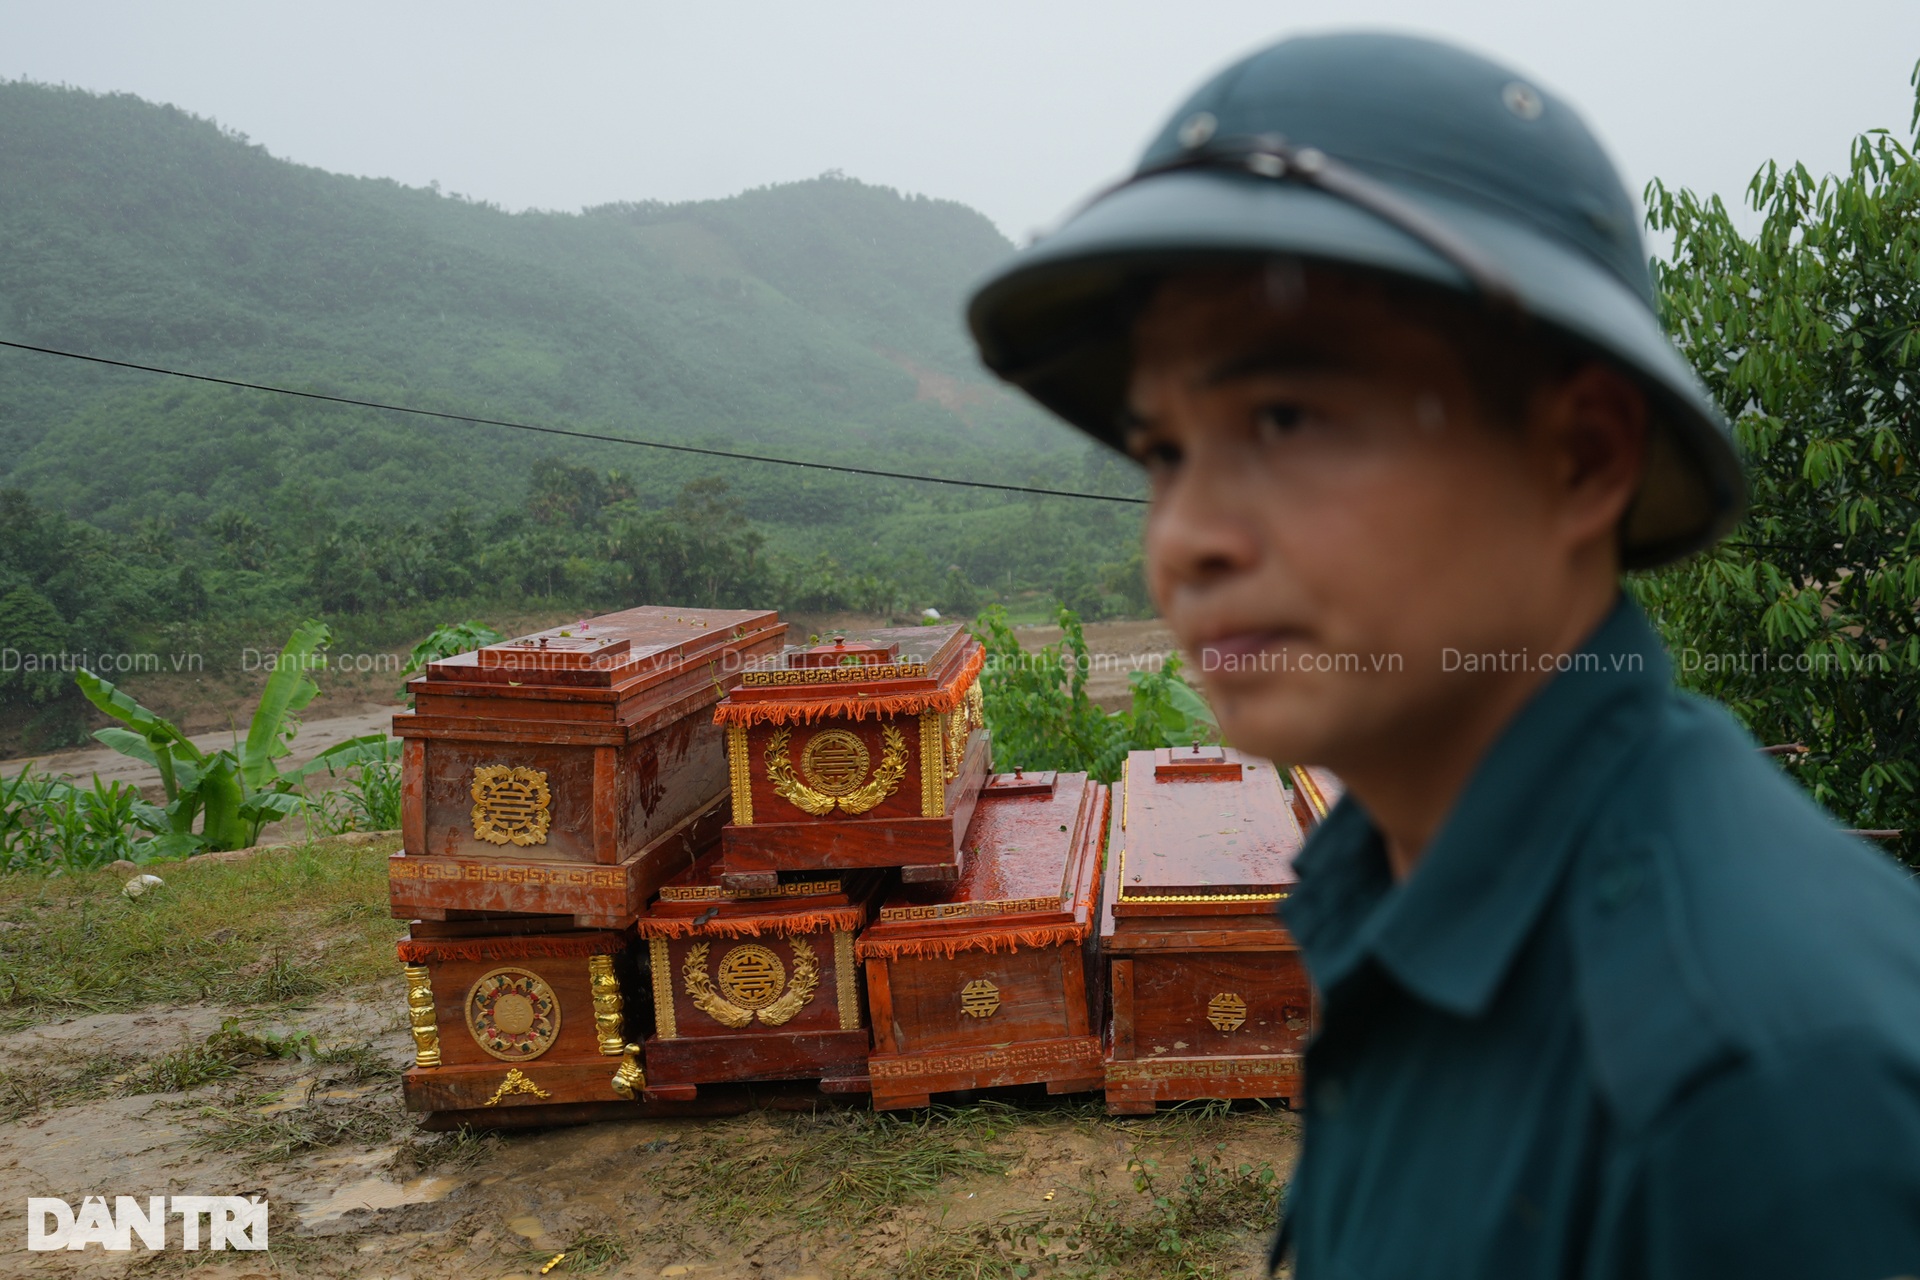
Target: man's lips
pixel 1240 645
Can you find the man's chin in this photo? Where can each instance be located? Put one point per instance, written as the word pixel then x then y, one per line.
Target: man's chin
pixel 1288 725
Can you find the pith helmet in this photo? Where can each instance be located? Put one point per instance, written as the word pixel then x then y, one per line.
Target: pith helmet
pixel 1389 154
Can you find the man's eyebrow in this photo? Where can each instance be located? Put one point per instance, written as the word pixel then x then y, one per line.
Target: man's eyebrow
pixel 1269 360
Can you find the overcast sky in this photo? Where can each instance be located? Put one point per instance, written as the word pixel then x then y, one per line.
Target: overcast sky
pixel 1018 109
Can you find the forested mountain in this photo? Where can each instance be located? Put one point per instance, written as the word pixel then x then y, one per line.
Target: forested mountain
pixel 816 320
pixel 816 317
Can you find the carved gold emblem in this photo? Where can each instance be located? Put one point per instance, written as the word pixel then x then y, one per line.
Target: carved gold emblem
pixel 1227 1011
pixel 515 1083
pixel 836 765
pixel 979 999
pixel 426 1033
pixel 511 805
pixel 609 1007
pixel 513 1014
pixel 753 984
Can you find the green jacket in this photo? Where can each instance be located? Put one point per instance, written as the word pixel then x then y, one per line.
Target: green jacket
pixel 1641 1011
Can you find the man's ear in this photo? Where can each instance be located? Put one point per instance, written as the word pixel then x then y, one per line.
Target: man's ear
pixel 1592 428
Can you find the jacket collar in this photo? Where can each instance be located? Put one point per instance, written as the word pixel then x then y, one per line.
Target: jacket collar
pixel 1451 931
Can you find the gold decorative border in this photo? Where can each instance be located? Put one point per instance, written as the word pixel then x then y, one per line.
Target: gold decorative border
pixel 933 771
pixel 740 769
pixel 953 910
pixel 1072 1055
pixel 609 1008
pixel 849 674
pixel 846 980
pixel 1123 1069
pixel 405 868
pixel 1121 870
pixel 420 1016
pixel 663 1022
pixel 719 893
pixel 1309 786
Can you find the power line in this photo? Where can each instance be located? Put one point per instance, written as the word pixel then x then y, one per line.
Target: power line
pixel 570 433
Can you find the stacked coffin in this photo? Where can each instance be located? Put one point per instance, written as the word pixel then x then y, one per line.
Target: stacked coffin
pixel 551 784
pixel 991 980
pixel 852 763
pixel 1208 995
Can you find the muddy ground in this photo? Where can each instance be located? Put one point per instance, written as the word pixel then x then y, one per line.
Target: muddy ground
pixel 975 1190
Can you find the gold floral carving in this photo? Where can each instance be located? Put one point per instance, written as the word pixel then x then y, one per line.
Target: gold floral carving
pixel 753 984
pixel 513 1014
pixel 956 740
pixel 1227 1011
pixel 515 1083
pixel 740 768
pixel 846 979
pixel 609 1008
pixel 884 782
pixel 426 1033
pixel 662 966
pixel 630 1079
pixel 976 706
pixel 511 805
pixel 979 999
pixel 933 773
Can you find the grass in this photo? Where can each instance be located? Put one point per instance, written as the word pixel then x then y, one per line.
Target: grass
pixel 591 1252
pixel 844 1166
pixel 275 929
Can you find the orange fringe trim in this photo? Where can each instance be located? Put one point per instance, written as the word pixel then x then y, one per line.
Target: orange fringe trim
pixel 857 706
pixel 532 946
pixel 836 919
pixel 1053 935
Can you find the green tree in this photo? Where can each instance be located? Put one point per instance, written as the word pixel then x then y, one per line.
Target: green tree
pixel 31 630
pixel 1808 333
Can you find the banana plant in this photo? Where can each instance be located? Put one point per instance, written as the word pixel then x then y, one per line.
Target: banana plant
pixel 233 792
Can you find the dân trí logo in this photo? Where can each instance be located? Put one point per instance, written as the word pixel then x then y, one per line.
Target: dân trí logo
pixel 224 1222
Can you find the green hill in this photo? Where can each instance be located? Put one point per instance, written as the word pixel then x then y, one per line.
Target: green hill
pixel 818 317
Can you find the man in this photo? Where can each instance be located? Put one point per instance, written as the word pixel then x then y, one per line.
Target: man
pixel 1603 994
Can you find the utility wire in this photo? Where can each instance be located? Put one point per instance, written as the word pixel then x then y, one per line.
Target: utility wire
pixel 570 433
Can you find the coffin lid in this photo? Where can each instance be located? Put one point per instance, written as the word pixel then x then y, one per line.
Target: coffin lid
pixel 628 650
pixel 882 671
pixel 1031 863
pixel 696 902
pixel 1201 831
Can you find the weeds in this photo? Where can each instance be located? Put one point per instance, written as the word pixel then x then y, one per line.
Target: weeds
pixel 846 1166
pixel 86 948
pixel 594 1251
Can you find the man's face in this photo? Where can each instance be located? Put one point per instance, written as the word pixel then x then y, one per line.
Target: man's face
pixel 1334 520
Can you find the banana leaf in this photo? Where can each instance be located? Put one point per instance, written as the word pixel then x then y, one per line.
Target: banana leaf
pixel 289 689
pixel 368 748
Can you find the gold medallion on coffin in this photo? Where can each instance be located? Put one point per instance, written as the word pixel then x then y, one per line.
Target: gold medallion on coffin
pixel 834 770
pixel 513 1014
pixel 753 983
pixel 511 805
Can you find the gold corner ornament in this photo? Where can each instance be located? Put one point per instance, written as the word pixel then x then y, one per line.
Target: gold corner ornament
pixel 752 983
pixel 515 1083
pixel 979 999
pixel 835 772
pixel 933 766
pixel 1227 1011
pixel 630 1080
pixel 846 980
pixel 420 1016
pixel 513 1014
pixel 661 966
pixel 511 805
pixel 609 1007
pixel 740 772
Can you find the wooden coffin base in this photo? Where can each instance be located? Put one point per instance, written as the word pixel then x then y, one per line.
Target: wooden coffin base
pixel 1136 1086
pixel 677 1068
pixel 1069 1064
pixel 497 1088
